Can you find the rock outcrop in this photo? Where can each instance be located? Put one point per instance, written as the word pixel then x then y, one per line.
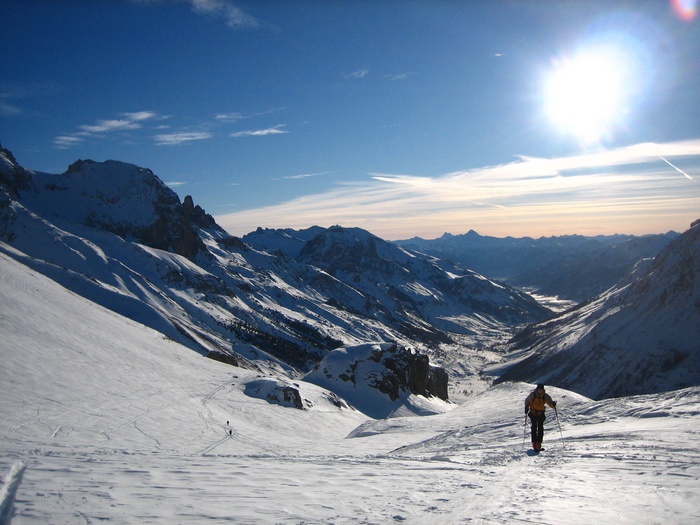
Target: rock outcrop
pixel 378 378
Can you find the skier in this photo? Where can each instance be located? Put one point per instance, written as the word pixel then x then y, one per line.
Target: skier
pixel 535 407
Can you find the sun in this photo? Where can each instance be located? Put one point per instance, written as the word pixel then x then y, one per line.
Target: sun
pixel 585 94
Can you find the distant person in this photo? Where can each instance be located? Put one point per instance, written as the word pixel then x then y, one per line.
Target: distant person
pixel 535 407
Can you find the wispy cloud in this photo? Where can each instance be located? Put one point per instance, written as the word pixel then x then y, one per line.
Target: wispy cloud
pixel 360 73
pixel 9 110
pixel 233 16
pixel 67 141
pixel 627 190
pixel 275 130
pixel 230 117
pixel 151 122
pixel 124 122
pixel 15 97
pixel 305 175
pixel 237 116
pixel 173 139
pixel 106 126
pixel 399 76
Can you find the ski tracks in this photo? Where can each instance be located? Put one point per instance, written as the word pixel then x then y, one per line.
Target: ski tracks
pixel 9 491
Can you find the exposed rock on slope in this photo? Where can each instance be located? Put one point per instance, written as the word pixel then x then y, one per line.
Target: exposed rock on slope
pixel 356 372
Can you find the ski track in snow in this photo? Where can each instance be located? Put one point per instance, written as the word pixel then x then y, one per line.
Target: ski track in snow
pixel 614 470
pixel 9 490
pixel 105 421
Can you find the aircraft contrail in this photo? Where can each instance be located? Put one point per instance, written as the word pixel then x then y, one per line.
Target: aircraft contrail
pixel 677 169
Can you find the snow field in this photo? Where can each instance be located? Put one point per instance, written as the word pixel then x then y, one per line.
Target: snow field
pixel 106 421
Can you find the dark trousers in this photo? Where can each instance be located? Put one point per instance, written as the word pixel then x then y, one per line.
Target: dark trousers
pixel 537 428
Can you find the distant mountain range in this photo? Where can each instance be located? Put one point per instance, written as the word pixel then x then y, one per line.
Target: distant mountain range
pixel 289 302
pixel 572 267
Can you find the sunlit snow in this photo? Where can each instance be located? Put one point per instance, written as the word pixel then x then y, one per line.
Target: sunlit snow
pixel 104 420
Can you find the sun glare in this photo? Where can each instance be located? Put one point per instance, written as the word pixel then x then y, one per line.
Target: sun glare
pixel 585 94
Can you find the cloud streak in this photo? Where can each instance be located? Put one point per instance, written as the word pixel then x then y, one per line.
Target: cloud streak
pixel 360 73
pixel 275 130
pixel 125 122
pixel 233 16
pixel 174 139
pixel 626 190
pixel 130 122
pixel 305 175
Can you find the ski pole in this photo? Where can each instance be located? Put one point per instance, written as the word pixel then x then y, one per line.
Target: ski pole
pixel 556 412
pixel 524 430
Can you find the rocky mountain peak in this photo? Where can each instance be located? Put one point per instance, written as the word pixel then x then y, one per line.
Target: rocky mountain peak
pixel 118 197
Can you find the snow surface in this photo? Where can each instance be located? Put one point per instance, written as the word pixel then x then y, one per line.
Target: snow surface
pixel 105 420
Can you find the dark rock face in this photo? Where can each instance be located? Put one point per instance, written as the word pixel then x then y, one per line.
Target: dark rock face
pixel 111 186
pixel 393 370
pixel 410 371
pixel 223 358
pixel 276 392
pixel 173 228
pixel 292 396
pixel 13 177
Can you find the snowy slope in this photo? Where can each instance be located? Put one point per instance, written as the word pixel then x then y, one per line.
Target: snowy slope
pixel 107 421
pixel 115 234
pixel 640 337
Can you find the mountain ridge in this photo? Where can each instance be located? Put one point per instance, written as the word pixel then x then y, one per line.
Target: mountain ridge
pixel 117 235
pixel 573 267
pixel 282 300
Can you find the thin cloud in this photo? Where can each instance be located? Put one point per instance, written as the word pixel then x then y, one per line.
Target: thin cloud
pixel 67 141
pixel 233 16
pixel 125 122
pixel 275 130
pixel 106 126
pixel 627 190
pixel 399 76
pixel 230 117
pixel 15 98
pixel 139 116
pixel 360 73
pixel 237 116
pixel 305 175
pixel 9 110
pixel 175 184
pixel 174 139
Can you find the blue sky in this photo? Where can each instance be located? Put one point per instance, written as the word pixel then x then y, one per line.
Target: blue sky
pixel 404 118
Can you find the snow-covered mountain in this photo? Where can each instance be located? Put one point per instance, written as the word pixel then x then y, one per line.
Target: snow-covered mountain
pixel 572 267
pixel 115 234
pixel 419 293
pixel 108 282
pixel 642 336
pixel 107 421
